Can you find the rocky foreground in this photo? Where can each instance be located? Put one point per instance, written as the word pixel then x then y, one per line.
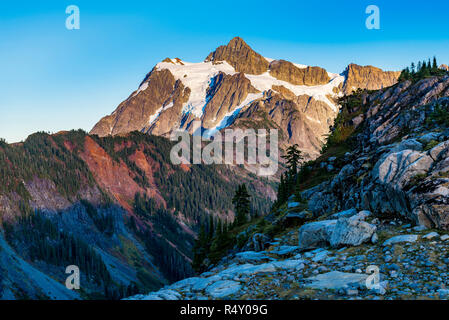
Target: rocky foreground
pixel 381 207
pixel 412 262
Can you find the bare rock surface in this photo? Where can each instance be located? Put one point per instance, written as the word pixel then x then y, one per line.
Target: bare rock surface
pixel 239 55
pixel 309 76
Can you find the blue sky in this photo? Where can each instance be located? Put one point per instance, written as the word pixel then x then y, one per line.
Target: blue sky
pixel 55 79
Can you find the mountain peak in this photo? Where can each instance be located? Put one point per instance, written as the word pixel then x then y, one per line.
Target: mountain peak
pixel 229 94
pixel 241 56
pixel 238 42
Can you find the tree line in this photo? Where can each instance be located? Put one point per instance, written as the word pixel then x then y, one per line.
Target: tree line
pixel 423 69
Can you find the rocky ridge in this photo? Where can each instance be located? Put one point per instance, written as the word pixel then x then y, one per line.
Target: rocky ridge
pixel 400 161
pixel 309 76
pixel 368 77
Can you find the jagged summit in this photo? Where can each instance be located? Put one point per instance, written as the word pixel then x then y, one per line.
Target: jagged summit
pixel 240 55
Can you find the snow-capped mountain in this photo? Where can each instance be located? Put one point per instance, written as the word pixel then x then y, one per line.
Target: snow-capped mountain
pixel 235 86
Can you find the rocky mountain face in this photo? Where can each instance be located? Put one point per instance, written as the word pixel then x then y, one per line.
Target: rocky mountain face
pixel 309 76
pixel 240 56
pixel 114 206
pixel 226 93
pixel 400 159
pixel 368 77
pixel 368 219
pixel 231 84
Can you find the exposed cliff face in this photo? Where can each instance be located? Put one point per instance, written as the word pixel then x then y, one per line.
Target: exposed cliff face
pixel 226 93
pixel 368 77
pixel 286 93
pixel 239 55
pixel 159 91
pixel 296 117
pixel 163 121
pixel 444 67
pixel 111 176
pixel 233 79
pixel 308 76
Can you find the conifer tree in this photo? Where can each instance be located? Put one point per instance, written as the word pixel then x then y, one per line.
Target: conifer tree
pixel 200 250
pixel 242 205
pixel 282 192
pixel 211 228
pixel 293 157
pixel 423 70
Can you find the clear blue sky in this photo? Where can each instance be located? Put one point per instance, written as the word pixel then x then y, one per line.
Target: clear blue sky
pixel 54 79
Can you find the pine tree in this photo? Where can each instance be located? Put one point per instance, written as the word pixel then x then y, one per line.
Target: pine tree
pixel 211 228
pixel 298 196
pixel 281 194
pixel 405 75
pixel 423 70
pixel 200 251
pixel 293 157
pixel 426 69
pixel 220 243
pixel 242 205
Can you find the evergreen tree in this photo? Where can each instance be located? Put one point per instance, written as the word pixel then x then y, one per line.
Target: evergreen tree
pixel 211 229
pixel 423 70
pixel 242 205
pixel 282 191
pixel 435 64
pixel 221 241
pixel 200 251
pixel 405 75
pixel 293 157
